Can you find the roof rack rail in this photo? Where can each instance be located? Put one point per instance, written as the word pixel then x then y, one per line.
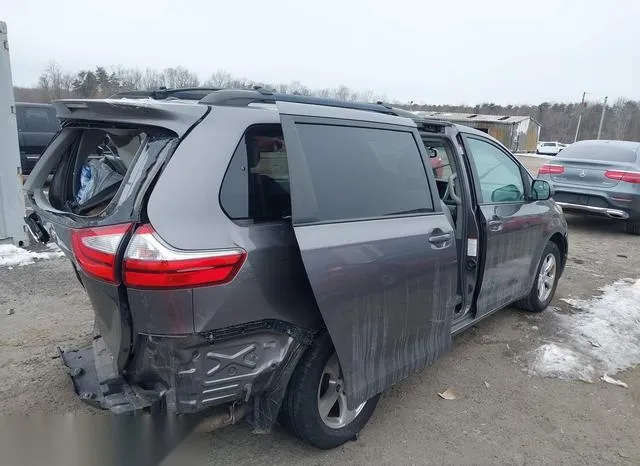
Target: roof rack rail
pixel 424 124
pixel 243 97
pixel 187 93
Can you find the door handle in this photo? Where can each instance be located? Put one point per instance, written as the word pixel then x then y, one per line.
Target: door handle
pixel 495 225
pixel 440 239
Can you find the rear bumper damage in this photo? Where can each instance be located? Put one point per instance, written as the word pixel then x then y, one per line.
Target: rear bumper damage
pixel 247 367
pixel 97 385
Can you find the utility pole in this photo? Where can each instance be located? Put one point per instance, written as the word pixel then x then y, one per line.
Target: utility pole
pixel 604 107
pixel 12 211
pixel 580 116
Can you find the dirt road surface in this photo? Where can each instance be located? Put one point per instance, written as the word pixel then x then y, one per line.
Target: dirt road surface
pixel 502 414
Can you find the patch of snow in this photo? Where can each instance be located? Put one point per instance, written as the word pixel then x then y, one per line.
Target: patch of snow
pixel 552 360
pixel 11 256
pixel 603 338
pixel 571 302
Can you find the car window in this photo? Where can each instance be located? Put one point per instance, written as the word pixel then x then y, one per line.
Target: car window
pixel 437 159
pixel 601 152
pixel 256 185
pixel 498 175
pixel 548 144
pixel 359 173
pixel 37 119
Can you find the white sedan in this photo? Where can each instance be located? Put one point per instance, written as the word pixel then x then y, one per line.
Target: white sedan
pixel 550 148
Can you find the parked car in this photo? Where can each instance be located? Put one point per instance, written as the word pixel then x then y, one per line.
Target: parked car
pixel 296 291
pixel 37 125
pixel 550 148
pixel 598 178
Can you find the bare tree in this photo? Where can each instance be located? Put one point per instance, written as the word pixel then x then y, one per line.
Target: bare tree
pixel 220 79
pixel 342 93
pixel 51 80
pixel 180 77
pixel 129 79
pixel 152 79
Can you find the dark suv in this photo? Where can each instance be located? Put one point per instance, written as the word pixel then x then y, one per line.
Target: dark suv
pixel 281 256
pixel 37 125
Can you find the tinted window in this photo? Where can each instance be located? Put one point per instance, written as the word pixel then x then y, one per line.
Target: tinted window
pixel 499 176
pixel 548 144
pixel 37 119
pixel 608 152
pixel 358 173
pixel 256 185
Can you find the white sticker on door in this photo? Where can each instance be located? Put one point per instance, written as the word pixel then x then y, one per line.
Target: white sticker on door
pixel 472 247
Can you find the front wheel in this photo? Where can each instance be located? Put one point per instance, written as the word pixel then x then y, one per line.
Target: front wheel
pixel 544 287
pixel 315 406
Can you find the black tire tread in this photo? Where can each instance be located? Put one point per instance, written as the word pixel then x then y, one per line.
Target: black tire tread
pixel 301 397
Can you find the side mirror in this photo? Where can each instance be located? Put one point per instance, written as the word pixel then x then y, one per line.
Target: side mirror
pixel 541 190
pixel 509 193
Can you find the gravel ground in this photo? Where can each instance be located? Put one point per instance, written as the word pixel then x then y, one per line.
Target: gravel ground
pixel 502 415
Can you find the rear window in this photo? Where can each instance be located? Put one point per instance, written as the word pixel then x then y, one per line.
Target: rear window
pixel 37 119
pixel 360 173
pixel 607 153
pixel 548 144
pixel 93 164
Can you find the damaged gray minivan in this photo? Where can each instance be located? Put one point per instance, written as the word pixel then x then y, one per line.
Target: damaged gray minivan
pixel 282 257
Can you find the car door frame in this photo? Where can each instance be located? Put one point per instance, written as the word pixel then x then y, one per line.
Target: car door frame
pixel 485 307
pixel 368 366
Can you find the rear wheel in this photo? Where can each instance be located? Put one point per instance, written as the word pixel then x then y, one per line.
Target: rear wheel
pixel 546 281
pixel 315 406
pixel 633 228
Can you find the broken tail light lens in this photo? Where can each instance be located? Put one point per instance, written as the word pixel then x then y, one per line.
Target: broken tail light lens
pixel 620 175
pixel 551 170
pixel 149 263
pixel 95 250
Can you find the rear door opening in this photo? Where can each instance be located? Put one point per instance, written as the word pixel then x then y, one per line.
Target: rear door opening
pixel 104 161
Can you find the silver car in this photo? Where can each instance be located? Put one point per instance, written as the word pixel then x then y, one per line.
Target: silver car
pixel 598 178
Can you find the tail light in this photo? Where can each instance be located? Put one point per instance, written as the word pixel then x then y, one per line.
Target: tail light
pixel 619 175
pixel 96 250
pixel 149 263
pixel 551 170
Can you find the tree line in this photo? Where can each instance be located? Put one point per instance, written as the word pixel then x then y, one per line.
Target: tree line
pixel 558 120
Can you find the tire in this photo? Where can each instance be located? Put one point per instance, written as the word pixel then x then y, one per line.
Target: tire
pixel 301 406
pixel 633 228
pixel 536 301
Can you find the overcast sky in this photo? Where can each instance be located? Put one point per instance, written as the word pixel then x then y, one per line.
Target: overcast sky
pixel 432 51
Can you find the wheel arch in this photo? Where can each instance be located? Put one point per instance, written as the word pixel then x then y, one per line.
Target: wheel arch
pixel 561 241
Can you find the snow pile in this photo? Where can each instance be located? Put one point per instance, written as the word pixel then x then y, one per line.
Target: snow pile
pixel 604 338
pixel 552 360
pixel 11 256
